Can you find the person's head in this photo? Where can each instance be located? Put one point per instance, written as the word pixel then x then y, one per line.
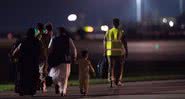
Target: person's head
pixel 40 26
pixel 116 22
pixel 84 54
pixel 30 33
pixel 49 27
pixel 62 31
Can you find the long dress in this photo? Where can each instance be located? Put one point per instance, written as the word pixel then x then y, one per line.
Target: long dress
pixel 29 71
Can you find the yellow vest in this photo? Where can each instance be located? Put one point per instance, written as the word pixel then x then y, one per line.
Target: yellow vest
pixel 113 43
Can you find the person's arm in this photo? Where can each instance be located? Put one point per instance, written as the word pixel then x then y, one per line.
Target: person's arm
pixel 16 49
pixel 91 67
pixel 124 41
pixel 104 42
pixel 73 48
pixel 50 46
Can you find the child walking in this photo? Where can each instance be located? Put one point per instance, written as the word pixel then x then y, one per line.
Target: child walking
pixel 85 67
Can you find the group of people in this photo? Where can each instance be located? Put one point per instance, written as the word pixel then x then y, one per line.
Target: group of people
pixel 41 53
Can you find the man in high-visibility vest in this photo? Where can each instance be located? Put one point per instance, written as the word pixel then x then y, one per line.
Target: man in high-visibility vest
pixel 116 52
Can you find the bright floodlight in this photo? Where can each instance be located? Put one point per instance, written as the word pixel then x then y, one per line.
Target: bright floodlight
pixel 72 17
pixel 171 23
pixel 104 28
pixel 165 20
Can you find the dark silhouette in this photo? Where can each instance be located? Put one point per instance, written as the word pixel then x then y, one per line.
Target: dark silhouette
pixel 44 37
pixel 116 52
pixel 81 33
pixel 14 56
pixel 49 29
pixel 60 59
pixel 30 50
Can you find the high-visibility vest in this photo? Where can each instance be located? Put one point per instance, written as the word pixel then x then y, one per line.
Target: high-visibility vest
pixel 113 43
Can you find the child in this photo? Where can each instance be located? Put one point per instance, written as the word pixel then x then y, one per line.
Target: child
pixel 84 68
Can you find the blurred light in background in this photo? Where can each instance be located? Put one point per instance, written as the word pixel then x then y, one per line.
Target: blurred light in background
pixel 72 17
pixel 88 29
pixel 157 46
pixel 138 10
pixel 181 6
pixel 182 26
pixel 171 23
pixel 104 28
pixel 165 20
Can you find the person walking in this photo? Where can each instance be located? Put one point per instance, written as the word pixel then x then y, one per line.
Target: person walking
pixel 85 67
pixel 116 51
pixel 29 54
pixel 63 52
pixel 44 37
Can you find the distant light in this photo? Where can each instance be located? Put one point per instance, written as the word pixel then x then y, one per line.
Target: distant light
pixel 165 20
pixel 72 17
pixel 88 29
pixel 104 28
pixel 157 46
pixel 171 23
pixel 182 26
pixel 138 10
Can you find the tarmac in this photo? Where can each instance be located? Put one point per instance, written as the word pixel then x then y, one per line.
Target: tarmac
pixel 164 89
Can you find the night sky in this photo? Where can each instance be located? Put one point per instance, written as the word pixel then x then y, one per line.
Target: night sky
pixel 18 15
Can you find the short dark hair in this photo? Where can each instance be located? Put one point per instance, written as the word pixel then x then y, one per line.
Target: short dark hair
pixel 62 30
pixel 84 53
pixel 116 22
pixel 49 27
pixel 40 26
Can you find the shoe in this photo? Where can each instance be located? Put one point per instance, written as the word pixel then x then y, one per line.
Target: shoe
pixel 62 94
pixel 81 91
pixel 119 84
pixel 56 89
pixel 85 93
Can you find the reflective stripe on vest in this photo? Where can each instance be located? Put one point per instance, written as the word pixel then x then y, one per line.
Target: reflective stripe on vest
pixel 113 44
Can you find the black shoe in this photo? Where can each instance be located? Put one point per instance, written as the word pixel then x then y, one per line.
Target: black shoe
pixel 81 91
pixel 62 94
pixel 56 89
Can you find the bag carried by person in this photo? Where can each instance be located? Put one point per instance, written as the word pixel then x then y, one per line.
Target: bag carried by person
pixel 102 67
